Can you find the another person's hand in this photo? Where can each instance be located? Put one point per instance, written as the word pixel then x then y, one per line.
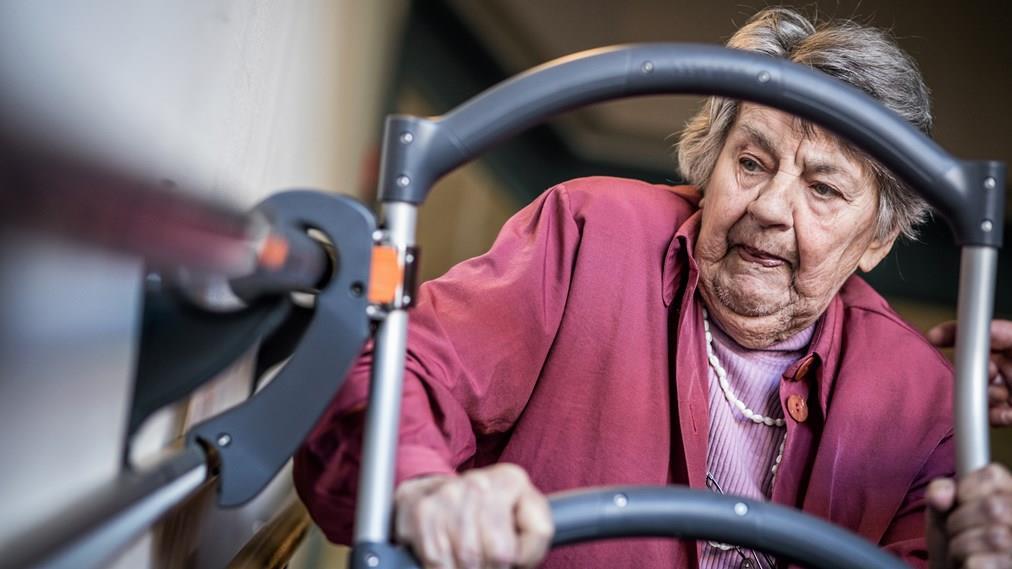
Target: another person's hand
pixel 970 522
pixel 999 392
pixel 485 518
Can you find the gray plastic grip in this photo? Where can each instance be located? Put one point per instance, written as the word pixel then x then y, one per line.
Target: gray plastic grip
pixel 418 151
pixel 665 511
pixel 596 514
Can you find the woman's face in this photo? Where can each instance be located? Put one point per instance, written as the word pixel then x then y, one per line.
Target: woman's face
pixel 787 216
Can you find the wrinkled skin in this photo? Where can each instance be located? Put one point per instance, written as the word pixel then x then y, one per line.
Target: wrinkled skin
pixel 788 216
pixel 786 219
pixel 970 521
pixel 489 517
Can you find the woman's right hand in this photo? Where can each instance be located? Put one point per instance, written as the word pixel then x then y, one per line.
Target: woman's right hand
pixel 489 517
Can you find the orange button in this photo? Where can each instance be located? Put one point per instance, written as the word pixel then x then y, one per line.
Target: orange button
pixel 806 366
pixel 797 407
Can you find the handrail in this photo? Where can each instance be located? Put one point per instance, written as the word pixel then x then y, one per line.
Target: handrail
pixel 91 532
pixel 594 514
pixel 669 511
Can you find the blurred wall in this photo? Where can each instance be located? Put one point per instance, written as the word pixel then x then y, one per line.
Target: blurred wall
pixel 234 98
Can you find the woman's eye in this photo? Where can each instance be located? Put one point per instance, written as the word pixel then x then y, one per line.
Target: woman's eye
pixel 749 165
pixel 823 190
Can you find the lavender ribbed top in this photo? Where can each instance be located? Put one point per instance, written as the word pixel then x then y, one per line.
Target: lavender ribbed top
pixel 740 453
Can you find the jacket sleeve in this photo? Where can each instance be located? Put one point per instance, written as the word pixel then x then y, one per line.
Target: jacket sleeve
pixel 905 536
pixel 477 341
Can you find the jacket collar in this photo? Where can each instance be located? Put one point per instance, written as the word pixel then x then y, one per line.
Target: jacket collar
pixel 824 352
pixel 819 366
pixel 683 243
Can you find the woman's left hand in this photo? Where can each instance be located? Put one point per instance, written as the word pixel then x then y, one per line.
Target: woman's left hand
pixel 970 522
pixel 999 393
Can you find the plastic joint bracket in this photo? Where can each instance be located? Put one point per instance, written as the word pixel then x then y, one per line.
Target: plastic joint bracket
pixel 255 439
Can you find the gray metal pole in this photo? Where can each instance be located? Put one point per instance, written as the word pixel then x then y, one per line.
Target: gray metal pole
pixel 92 532
pixel 111 538
pixel 973 348
pixel 376 479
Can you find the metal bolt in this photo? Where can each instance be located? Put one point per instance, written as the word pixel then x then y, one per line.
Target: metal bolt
pixel 990 183
pixel 621 500
pixel 403 181
pixel 224 439
pixel 409 258
pixel 647 67
pixel 372 312
pixel 741 508
pixel 764 76
pixel 378 235
pixel 407 137
pixel 986 226
pixel 372 560
pixel 406 298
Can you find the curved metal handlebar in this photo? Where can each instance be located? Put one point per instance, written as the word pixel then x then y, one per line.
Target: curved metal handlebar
pixel 665 511
pixel 419 151
pixel 595 514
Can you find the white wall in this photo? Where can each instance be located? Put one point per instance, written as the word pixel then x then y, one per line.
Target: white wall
pixel 238 98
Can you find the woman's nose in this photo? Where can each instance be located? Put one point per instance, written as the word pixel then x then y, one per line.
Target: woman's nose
pixel 772 204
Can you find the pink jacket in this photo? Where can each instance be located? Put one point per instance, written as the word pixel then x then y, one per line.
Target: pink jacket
pixel 574 349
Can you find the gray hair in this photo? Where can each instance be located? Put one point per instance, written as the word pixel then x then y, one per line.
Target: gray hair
pixel 865 57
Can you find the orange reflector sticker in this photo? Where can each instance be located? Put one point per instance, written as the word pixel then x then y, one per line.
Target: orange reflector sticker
pixel 274 252
pixel 386 275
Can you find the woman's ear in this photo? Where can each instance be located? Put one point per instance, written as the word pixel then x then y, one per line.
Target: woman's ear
pixel 876 251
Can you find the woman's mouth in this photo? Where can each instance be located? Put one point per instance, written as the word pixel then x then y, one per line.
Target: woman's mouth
pixel 760 257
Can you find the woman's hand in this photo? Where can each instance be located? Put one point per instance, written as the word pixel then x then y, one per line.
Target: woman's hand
pixel 970 522
pixel 485 518
pixel 999 393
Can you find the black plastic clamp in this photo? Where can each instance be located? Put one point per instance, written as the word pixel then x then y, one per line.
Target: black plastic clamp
pixel 405 267
pixel 255 439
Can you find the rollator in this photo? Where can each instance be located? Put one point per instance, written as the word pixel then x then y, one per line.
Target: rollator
pixel 364 283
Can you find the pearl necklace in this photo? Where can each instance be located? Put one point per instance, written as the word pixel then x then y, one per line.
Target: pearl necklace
pixel 738 404
pixel 725 386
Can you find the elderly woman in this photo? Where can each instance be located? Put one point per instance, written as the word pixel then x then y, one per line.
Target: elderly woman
pixel 711 335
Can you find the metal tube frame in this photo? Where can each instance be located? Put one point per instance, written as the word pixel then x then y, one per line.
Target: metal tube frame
pixel 683 513
pixel 90 534
pixel 418 151
pixel 977 272
pixel 376 479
